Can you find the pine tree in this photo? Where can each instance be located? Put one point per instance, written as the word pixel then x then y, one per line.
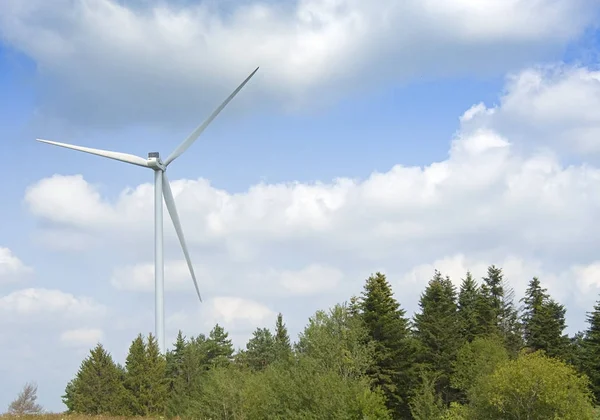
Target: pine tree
pixel 283 348
pixel 97 387
pixel 219 349
pixel 393 352
pixel 260 349
pixel 591 350
pixel 544 322
pixel 437 327
pixel 468 297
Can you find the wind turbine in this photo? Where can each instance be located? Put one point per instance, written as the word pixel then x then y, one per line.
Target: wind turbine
pixel 162 189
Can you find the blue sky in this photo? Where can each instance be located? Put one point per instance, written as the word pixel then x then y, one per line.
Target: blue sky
pixel 375 136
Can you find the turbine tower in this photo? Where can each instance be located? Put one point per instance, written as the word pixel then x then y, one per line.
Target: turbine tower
pixel 162 189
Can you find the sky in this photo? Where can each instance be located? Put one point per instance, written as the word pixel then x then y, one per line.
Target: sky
pixel 400 137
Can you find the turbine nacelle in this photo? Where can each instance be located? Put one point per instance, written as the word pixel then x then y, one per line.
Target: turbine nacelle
pixel 154 162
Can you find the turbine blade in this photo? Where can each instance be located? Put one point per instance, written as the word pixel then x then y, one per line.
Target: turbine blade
pixel 192 137
pixel 122 157
pixel 170 202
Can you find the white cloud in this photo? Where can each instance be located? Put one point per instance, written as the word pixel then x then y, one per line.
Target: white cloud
pixel 171 58
pixel 489 202
pixel 235 314
pixel 41 303
pixel 553 105
pixel 82 337
pixel 141 277
pixel 313 279
pixel 12 268
pixel 230 310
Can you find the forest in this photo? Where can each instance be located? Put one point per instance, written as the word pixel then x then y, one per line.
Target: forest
pixel 472 352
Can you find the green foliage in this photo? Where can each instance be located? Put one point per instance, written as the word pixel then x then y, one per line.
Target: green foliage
pixel 218 347
pixel 283 347
pixel 97 387
pixel 533 386
pixel 393 352
pixel 338 341
pixel 437 327
pixel 468 314
pixel 544 322
pixel 590 350
pixel 145 378
pixel 260 350
pixel 476 360
pixel 460 361
pixel 426 403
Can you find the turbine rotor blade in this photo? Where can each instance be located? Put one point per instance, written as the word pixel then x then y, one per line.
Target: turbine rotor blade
pixel 192 137
pixel 170 202
pixel 122 157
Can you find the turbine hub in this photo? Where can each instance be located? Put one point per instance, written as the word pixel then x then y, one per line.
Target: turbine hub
pixel 154 161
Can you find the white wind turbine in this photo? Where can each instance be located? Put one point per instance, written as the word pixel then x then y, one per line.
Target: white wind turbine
pixel 161 189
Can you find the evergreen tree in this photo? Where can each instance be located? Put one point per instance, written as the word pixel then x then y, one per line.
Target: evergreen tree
pixel 544 321
pixel 156 375
pixel 437 328
pixel 145 377
pixel 283 348
pixel 591 350
pixel 186 386
pixel 393 352
pixel 497 312
pixel 468 299
pixel 260 349
pixel 97 387
pixel 511 328
pixel 219 349
pixel 135 375
pixel 174 360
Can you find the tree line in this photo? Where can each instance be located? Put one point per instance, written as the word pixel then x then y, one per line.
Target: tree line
pixel 470 352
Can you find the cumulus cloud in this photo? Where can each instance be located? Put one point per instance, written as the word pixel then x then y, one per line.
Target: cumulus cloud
pixel 157 61
pixel 81 337
pixel 32 303
pixel 230 310
pixel 490 201
pixel 140 277
pixel 12 268
pixel 313 279
pixel 236 314
pixel 549 106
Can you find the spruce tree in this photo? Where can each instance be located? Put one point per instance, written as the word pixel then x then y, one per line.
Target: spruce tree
pixel 544 322
pixel 283 348
pixel 97 387
pixel 437 328
pixel 135 375
pixel 468 315
pixel 497 312
pixel 145 377
pixel 393 352
pixel 591 350
pixel 174 360
pixel 186 386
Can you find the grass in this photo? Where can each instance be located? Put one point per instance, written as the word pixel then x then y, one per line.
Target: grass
pixel 70 417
